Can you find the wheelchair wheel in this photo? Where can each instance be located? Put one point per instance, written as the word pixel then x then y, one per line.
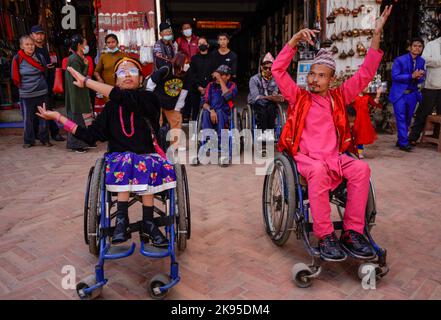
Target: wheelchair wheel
pixel 279 200
pixel 280 121
pixel 155 283
pixel 94 212
pixel 87 205
pixel 247 123
pixel 195 161
pixel 85 284
pixel 182 225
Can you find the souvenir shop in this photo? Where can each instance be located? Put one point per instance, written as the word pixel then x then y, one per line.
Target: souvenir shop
pixel 349 27
pixel 16 19
pixel 134 23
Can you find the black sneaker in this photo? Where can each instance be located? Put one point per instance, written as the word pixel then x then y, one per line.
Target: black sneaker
pixel 121 232
pixel 58 137
pixel 152 232
pixel 47 144
pixel 406 148
pixel 330 249
pixel 356 245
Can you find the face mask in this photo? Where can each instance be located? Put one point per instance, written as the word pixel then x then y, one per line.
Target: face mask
pixel 186 67
pixel 113 50
pixel 203 47
pixel 168 38
pixel 267 75
pixel 86 50
pixel 187 32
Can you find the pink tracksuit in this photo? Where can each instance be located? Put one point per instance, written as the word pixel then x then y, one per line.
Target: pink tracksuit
pixel 318 160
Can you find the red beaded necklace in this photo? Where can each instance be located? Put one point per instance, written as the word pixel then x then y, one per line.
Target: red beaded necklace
pixel 132 129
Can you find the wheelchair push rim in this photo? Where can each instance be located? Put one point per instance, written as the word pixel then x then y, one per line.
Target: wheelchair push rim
pixel 279 201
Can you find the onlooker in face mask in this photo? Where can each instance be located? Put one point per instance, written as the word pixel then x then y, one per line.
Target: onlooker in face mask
pixel 223 55
pixel 188 44
pixel 200 73
pixel 39 36
pixel 263 98
pixel 104 69
pixel 164 49
pixel 77 99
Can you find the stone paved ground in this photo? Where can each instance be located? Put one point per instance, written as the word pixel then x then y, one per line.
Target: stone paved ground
pixel 229 255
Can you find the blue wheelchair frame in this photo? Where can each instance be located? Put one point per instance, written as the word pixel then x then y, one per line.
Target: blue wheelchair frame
pixel 105 224
pixel 230 134
pixel 278 127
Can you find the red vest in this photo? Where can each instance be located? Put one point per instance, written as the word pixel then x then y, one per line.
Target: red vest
pixel 290 138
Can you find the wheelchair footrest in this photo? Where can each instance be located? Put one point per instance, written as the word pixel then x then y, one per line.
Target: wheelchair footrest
pixel 338 225
pixel 118 249
pixel 151 248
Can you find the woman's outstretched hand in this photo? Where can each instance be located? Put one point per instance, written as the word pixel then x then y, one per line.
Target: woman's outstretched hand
pixel 47 114
pixel 79 78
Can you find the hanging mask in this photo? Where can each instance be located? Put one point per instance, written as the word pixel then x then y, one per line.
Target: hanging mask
pixel 113 50
pixel 86 50
pixel 186 67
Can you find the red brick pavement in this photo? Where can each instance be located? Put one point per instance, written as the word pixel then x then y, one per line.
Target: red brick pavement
pixel 229 255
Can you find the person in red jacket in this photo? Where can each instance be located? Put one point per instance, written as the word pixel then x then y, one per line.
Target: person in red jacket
pixel 188 43
pixel 363 131
pixel 317 135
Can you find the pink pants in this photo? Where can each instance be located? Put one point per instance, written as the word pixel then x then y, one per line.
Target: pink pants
pixel 316 172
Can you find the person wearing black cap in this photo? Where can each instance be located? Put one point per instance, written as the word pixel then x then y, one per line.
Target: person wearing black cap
pixel 218 100
pixel 164 49
pixel 39 36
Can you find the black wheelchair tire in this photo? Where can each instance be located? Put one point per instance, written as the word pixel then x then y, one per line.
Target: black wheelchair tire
pixel 86 205
pixel 289 198
pixel 182 221
pixel 94 214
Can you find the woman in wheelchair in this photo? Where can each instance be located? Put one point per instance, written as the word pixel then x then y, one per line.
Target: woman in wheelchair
pixel 135 163
pixel 317 135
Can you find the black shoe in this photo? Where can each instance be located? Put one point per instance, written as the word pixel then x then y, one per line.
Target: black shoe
pixel 151 231
pixel 412 143
pixel 356 245
pixel 121 232
pixel 330 249
pixel 58 137
pixel 28 145
pixel 406 148
pixel 92 146
pixel 47 144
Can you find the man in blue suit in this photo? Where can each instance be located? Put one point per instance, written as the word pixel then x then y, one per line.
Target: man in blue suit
pixel 408 72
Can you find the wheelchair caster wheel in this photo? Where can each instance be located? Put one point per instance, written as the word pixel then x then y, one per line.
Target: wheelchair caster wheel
pixel 158 281
pixel 301 275
pixel 366 269
pixel 87 283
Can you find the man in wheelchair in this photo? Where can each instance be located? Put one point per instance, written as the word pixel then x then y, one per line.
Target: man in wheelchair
pixel 263 98
pixel 218 99
pixel 317 135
